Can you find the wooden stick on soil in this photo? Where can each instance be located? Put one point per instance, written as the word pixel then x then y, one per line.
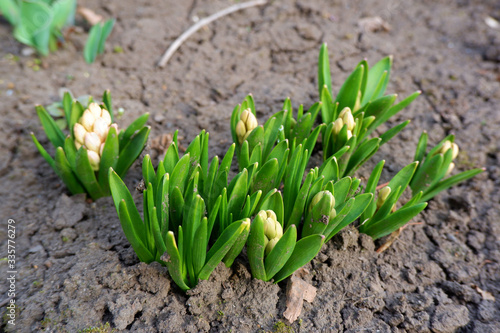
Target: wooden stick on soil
pixel 182 38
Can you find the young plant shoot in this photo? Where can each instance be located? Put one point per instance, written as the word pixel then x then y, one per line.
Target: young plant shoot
pixel 94 145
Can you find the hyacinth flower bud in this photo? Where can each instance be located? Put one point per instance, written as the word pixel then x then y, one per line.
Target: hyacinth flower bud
pixel 271 244
pixel 450 169
pixel 337 126
pixel 316 199
pixel 101 129
pixel 349 134
pixel 270 228
pixel 245 125
pixel 101 149
pixel 444 148
pixel 95 109
pixel 383 194
pixel 349 119
pixel 94 159
pixel 343 112
pixel 106 116
pixel 79 132
pixel 87 120
pixel 92 142
pixel 454 149
pixel 240 131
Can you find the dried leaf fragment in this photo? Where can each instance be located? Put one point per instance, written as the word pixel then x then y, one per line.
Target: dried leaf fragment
pixel 373 24
pixel 89 15
pixel 486 295
pixel 297 290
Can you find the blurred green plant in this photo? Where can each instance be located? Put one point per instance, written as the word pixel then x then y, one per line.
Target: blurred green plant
pixel 359 108
pixel 94 145
pixel 38 23
pixel 96 40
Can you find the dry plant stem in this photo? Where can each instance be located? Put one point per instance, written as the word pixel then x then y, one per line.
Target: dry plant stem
pixel 182 38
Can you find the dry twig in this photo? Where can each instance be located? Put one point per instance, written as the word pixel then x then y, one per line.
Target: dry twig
pixel 182 38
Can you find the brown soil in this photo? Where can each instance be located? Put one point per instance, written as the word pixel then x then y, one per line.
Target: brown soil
pixel 75 267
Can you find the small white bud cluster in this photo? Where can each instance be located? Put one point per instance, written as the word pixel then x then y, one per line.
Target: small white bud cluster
pixel 272 229
pixel 345 118
pixel 245 125
pixel 91 132
pixel 447 145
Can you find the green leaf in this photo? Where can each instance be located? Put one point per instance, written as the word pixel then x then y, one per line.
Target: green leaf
pixel 266 177
pixel 362 154
pixel 106 30
pixel 403 177
pixel 281 252
pixel 341 189
pixel 132 131
pixel 106 99
pixel 199 246
pixel 54 134
pixel 155 228
pixel 296 210
pixel 86 174
pixel 132 150
pixel 324 78
pixel 378 78
pixel 421 148
pixel 317 219
pixel 394 221
pixel 255 249
pixel 66 173
pixel 70 151
pixel 449 182
pixel 109 158
pixel 305 250
pixel 92 44
pixel 360 204
pixel 120 192
pixel 171 158
pixel 221 247
pixel 237 246
pixel 11 11
pixel 130 232
pixel 238 194
pixel 76 112
pixel 389 134
pixel 174 262
pixel 349 91
pixel 342 212
pixel 44 153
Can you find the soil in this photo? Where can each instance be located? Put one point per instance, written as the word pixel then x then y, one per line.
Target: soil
pixel 75 268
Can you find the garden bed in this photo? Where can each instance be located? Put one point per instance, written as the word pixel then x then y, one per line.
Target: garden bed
pixel 76 269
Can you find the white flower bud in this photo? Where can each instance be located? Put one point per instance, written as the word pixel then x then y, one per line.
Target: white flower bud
pixel 101 129
pixel 240 131
pixel 450 169
pixel 271 214
pixel 251 122
pixel 382 196
pixel 444 148
pixel 263 215
pixel 77 145
pixel 87 120
pixel 244 115
pixel 337 126
pixel 349 120
pixel 349 134
pixel 92 142
pixel 79 133
pixel 101 149
pixel 106 116
pixel 270 228
pixel 272 243
pixel 279 230
pixel 343 112
pixel 454 148
pixel 94 159
pixel 95 109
